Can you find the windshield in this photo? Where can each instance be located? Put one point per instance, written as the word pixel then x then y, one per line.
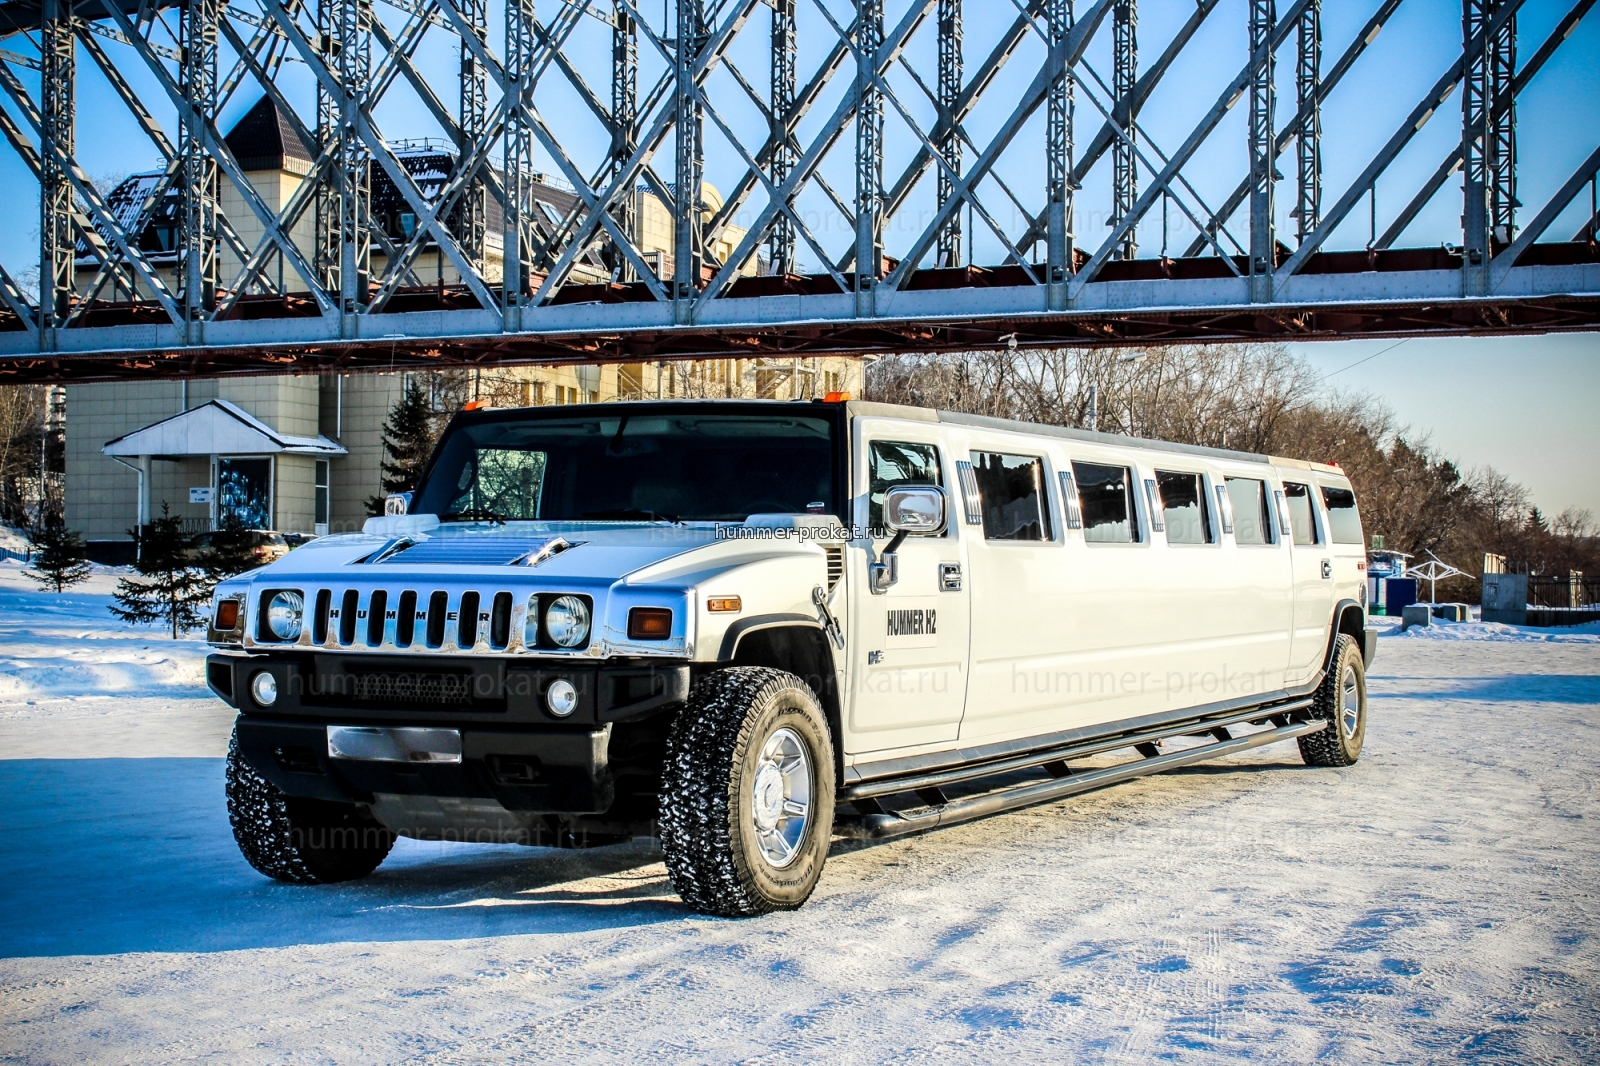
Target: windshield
pixel 628 466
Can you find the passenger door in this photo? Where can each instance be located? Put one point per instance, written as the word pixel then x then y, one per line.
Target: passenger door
pixel 1019 595
pixel 1313 579
pixel 909 652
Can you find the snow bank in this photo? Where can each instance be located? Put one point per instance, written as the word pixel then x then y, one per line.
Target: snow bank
pixel 1589 633
pixel 69 645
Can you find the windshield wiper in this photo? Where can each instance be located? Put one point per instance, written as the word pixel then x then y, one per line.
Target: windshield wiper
pixel 474 514
pixel 626 514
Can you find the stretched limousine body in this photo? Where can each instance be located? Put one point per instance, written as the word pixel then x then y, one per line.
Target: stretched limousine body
pixel 751 627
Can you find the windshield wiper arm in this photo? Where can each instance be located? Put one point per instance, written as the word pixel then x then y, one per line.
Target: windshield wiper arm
pixel 473 514
pixel 624 514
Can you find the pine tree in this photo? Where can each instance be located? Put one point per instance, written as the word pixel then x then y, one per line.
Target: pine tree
pixel 173 590
pixel 232 550
pixel 409 435
pixel 59 558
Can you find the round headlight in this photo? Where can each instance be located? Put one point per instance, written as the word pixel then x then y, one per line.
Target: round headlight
pixel 561 698
pixel 285 612
pixel 264 689
pixel 566 621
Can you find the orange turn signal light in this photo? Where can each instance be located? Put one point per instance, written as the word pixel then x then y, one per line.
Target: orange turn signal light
pixel 227 616
pixel 723 603
pixel 649 623
pixel 836 397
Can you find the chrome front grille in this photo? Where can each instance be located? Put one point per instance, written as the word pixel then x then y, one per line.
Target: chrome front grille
pixel 414 619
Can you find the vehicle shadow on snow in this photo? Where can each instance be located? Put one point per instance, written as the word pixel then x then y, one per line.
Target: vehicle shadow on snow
pixel 119 855
pixel 116 855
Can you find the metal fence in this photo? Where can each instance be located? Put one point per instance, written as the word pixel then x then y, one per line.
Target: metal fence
pixel 1573 591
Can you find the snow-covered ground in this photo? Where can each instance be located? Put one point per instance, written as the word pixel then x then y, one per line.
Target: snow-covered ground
pixel 1436 901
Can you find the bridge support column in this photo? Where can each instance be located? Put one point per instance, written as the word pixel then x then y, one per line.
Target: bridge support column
pixel 1308 140
pixel 1058 160
pixel 1502 139
pixel 869 156
pixel 624 122
pixel 950 71
pixel 781 245
pixel 517 154
pixel 1263 174
pixel 1124 160
pixel 198 224
pixel 353 66
pixel 57 243
pixel 1477 120
pixel 471 214
pixel 688 237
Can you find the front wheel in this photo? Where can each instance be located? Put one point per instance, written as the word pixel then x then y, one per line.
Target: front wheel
pixel 747 794
pixel 1341 701
pixel 304 841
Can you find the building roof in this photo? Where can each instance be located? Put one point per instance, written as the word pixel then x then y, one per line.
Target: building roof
pixel 216 428
pixel 264 140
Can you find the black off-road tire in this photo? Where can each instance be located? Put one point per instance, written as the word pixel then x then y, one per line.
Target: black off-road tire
pixel 303 841
pixel 708 820
pixel 1339 742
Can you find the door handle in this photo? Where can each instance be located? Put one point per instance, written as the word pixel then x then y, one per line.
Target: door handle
pixel 1327 569
pixel 950 577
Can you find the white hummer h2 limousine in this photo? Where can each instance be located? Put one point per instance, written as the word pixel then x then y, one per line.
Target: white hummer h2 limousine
pixel 749 627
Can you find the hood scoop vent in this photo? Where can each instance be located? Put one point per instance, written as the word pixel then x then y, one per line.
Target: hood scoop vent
pixel 470 551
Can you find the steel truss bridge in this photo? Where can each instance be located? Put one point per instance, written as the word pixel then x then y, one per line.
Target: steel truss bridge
pixel 870 108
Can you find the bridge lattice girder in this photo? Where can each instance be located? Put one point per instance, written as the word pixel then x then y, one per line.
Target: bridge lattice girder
pixel 984 112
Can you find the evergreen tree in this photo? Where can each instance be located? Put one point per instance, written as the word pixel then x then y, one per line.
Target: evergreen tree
pixel 170 589
pixel 409 435
pixel 232 550
pixel 59 558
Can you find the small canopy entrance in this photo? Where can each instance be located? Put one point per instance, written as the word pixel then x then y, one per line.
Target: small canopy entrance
pixel 241 449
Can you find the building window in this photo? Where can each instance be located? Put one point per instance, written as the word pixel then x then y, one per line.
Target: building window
pixel 244 492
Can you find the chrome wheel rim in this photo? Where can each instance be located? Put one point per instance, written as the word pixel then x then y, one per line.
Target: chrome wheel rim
pixel 1349 704
pixel 780 800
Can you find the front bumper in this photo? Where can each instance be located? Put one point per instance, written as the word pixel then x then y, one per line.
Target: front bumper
pixel 494 692
pixel 544 771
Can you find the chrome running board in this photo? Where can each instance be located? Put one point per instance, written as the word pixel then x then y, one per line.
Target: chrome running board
pixel 882 825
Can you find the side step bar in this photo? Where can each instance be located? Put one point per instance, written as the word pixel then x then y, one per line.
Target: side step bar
pixel 882 826
pixel 1080 749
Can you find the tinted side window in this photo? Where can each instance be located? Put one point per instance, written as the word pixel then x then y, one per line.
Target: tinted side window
pixel 1012 487
pixel 1183 507
pixel 1344 523
pixel 1302 516
pixel 1250 522
pixel 894 463
pixel 1106 496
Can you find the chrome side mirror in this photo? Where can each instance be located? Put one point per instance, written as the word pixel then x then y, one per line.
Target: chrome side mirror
pixel 907 509
pixel 397 503
pixel 914 509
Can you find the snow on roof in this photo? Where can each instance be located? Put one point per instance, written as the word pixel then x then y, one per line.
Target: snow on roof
pixel 216 428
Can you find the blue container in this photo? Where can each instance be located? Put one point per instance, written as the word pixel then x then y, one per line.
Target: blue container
pixel 1398 594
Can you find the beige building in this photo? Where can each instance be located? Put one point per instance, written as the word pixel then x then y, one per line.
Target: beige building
pixel 304 454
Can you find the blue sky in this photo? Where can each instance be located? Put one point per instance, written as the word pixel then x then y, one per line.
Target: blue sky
pixel 1445 386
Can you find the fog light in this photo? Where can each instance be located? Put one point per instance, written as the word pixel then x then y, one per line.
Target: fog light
pixel 264 688
pixel 561 698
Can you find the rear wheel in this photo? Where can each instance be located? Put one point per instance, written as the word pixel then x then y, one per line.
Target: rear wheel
pixel 747 794
pixel 304 841
pixel 1342 703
